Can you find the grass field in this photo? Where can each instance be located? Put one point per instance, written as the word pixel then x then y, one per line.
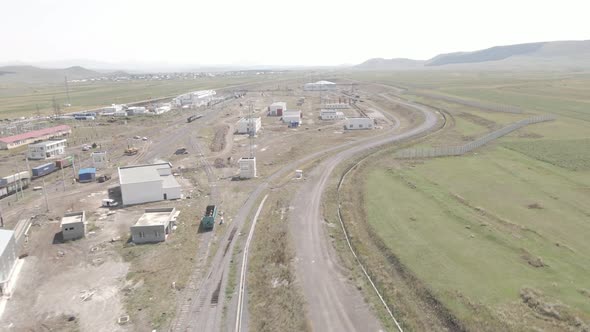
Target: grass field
pixel 21 100
pixel 499 236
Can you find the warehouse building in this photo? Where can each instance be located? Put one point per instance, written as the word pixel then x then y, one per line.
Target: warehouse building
pixel 249 125
pixel 148 183
pixel 136 110
pixel 320 86
pixel 46 149
pixel 292 117
pixel 247 167
pixel 195 98
pixel 277 109
pixel 331 114
pixel 154 225
pixel 356 123
pixel 11 142
pixel 73 226
pixel 8 256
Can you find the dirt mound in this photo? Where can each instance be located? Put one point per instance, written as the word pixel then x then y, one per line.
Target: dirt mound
pixel 219 139
pixel 557 312
pixel 531 259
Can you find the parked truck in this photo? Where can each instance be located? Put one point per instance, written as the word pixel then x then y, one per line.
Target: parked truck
pixel 208 220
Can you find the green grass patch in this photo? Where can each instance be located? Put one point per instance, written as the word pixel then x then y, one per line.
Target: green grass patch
pixel 479 229
pixel 571 154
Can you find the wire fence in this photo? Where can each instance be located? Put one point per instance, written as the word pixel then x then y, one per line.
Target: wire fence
pixel 472 103
pixel 460 150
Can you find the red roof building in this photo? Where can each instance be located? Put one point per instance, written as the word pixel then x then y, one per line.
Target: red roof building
pixel 11 142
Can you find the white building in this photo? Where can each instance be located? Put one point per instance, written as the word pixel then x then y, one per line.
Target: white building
pixel 336 106
pixel 195 98
pixel 112 109
pixel 320 86
pixel 277 109
pixel 247 167
pixel 46 149
pixel 73 226
pixel 162 109
pixel 136 110
pixel 154 225
pixel 359 123
pixel 148 183
pixel 331 115
pixel 292 116
pixel 99 159
pixel 7 256
pixel 249 125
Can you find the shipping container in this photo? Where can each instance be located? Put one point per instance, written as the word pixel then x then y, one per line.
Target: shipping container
pixel 87 175
pixel 43 170
pixel 64 162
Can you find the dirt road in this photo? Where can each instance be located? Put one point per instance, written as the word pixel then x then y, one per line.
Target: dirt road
pixel 334 302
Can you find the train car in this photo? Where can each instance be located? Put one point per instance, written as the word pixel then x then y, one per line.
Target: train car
pixel 208 220
pixel 43 170
pixel 64 162
pixel 12 183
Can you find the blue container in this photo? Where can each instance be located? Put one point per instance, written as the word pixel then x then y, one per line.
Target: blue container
pixel 43 169
pixel 86 175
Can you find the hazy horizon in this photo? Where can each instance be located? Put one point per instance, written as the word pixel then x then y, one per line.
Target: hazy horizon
pixel 263 32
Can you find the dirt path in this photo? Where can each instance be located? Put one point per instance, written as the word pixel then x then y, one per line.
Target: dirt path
pixel 334 303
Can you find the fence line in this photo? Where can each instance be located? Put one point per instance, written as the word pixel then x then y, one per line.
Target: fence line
pixel 460 150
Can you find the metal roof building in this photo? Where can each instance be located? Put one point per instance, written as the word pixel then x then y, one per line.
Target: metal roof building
pixel 148 183
pixel 319 86
pixel 11 142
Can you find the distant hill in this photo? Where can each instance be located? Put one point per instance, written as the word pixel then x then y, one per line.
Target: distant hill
pixel 30 74
pixel 557 54
pixel 393 64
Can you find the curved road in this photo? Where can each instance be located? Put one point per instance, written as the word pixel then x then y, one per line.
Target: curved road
pixel 334 303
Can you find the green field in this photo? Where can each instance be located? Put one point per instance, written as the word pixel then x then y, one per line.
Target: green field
pixel 498 236
pixel 22 100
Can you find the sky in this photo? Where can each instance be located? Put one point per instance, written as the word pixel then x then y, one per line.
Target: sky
pixel 267 32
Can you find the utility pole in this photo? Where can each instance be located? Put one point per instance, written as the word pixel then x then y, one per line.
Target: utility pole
pixel 67 91
pixel 63 175
pixel 45 193
pixel 38 110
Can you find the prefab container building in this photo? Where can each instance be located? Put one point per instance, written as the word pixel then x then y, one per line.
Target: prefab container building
pixel 359 123
pixel 277 109
pixel 249 125
pixel 292 116
pixel 331 114
pixel 99 159
pixel 42 170
pixel 87 175
pixel 8 256
pixel 247 167
pixel 154 225
pixel 73 225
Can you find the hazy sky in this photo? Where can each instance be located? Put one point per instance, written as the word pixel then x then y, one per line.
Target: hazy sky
pixel 296 32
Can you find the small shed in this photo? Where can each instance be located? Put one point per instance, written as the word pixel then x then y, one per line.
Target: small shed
pixel 73 225
pixel 291 116
pixel 154 225
pixel 87 174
